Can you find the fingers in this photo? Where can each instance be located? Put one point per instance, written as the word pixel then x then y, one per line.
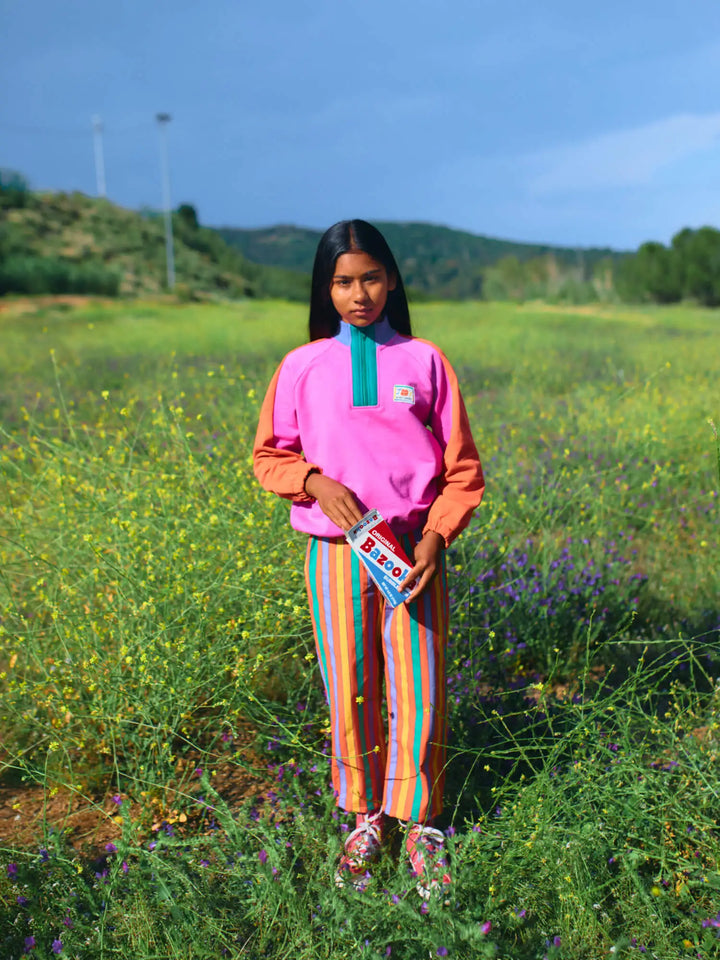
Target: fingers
pixel 427 553
pixel 423 573
pixel 412 575
pixel 424 581
pixel 336 501
pixel 343 511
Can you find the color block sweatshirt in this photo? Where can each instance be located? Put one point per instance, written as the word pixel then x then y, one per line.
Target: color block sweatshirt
pixel 380 413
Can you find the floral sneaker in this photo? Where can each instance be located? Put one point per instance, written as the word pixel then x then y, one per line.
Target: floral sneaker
pixel 429 861
pixel 362 848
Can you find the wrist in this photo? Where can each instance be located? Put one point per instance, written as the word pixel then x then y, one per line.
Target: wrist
pixel 310 479
pixel 434 536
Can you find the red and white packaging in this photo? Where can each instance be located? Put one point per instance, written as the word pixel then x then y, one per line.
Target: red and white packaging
pixel 375 544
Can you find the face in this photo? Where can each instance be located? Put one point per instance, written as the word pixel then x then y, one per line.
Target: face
pixel 359 288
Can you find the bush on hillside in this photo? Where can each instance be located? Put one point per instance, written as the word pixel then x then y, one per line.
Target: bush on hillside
pixel 688 269
pixel 34 275
pixel 14 189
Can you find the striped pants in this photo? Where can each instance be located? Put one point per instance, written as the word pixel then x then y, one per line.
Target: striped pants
pixel 361 641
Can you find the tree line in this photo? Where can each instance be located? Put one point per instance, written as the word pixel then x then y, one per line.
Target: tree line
pixel 126 256
pixel 688 269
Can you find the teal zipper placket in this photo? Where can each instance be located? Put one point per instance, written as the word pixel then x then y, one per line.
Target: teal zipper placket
pixel 363 351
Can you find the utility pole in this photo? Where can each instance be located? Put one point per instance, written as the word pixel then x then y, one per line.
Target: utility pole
pixel 163 119
pixel 99 155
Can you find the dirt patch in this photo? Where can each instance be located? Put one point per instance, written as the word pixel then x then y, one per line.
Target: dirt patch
pixel 28 812
pixel 17 306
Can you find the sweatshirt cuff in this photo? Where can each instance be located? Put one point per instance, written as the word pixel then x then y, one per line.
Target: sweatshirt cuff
pixel 447 536
pixel 302 496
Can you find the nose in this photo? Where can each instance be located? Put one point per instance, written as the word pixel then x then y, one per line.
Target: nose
pixel 360 294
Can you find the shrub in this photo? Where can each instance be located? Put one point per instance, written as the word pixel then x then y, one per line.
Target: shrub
pixel 35 275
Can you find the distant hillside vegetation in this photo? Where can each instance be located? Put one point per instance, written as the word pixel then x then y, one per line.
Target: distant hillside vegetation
pixel 436 261
pixel 71 243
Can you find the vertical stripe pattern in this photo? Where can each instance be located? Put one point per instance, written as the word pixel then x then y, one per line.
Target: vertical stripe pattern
pixel 361 642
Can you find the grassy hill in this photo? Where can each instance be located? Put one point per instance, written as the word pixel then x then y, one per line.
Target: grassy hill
pixel 58 242
pixel 71 243
pixel 434 260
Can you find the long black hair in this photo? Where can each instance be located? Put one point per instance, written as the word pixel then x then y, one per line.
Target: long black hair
pixel 353 236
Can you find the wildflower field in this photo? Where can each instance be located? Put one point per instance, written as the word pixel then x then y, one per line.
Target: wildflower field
pixel 164 776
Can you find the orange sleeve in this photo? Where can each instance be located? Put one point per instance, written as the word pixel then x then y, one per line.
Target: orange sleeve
pixel 278 461
pixel 461 484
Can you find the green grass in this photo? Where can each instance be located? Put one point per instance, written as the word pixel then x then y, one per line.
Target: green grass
pixel 152 606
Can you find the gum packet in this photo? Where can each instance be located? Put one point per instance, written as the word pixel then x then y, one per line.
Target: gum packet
pixel 375 544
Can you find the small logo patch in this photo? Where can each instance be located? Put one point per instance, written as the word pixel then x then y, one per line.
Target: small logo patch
pixel 403 393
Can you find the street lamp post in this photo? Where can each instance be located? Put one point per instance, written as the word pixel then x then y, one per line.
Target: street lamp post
pixel 99 155
pixel 163 119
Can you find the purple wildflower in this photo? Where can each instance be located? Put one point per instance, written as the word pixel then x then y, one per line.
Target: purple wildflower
pixel 117 800
pixel 111 848
pixel 262 856
pixel 442 951
pixel 57 946
pixel 29 944
pixel 12 870
pixel 485 927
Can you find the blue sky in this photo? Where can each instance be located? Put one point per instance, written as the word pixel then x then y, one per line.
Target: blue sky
pixel 561 122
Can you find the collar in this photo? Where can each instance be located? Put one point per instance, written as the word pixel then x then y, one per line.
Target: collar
pixel 380 332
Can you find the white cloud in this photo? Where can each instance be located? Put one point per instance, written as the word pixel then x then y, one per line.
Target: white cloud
pixel 622 158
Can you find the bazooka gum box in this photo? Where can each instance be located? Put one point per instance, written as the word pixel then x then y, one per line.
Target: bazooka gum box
pixel 375 544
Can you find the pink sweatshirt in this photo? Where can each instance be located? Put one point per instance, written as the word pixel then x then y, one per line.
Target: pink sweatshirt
pixel 382 414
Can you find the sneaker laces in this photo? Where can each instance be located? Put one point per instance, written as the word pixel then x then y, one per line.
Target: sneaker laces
pixel 426 849
pixel 364 841
pixel 362 847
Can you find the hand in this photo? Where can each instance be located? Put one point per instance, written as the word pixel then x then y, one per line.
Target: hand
pixel 427 563
pixel 334 499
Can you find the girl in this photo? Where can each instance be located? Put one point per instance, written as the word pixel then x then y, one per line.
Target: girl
pixel 366 416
